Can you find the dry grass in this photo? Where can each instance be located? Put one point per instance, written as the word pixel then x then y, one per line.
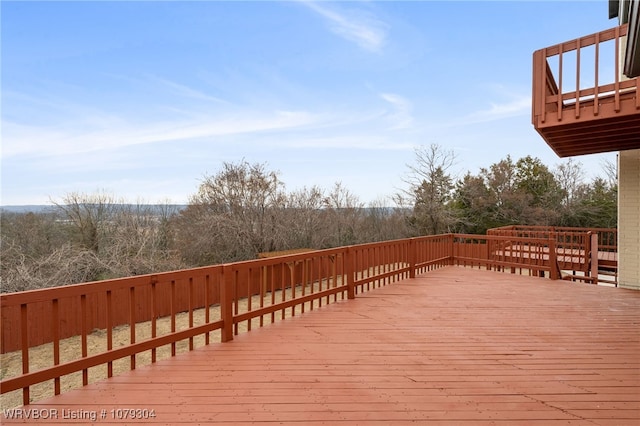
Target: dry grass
pixel 41 357
pixel 70 349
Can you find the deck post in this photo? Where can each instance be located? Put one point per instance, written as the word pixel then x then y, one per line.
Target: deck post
pixel 594 257
pixel 554 268
pixel 226 303
pixel 412 257
pixel 452 256
pixel 539 93
pixel 350 271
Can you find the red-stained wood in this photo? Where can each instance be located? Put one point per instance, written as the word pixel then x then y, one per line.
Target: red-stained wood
pixel 454 346
pixel 590 120
pixel 56 342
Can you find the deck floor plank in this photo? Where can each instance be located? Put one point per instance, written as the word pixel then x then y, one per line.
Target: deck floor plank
pixel 454 346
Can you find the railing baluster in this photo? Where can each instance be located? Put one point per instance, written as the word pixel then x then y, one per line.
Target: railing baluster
pixel 262 284
pixel 306 279
pixel 316 277
pixel 154 314
pixel 294 282
pixel 617 72
pixel 236 297
pixel 596 87
pixel 283 294
pixel 173 314
pixel 578 78
pixel 132 324
pixel 83 319
pixel 24 337
pixel 339 261
pixel 273 289
pixel 249 296
pixel 207 306
pixel 109 321
pixel 55 333
pixel 322 270
pixel 560 103
pixel 191 311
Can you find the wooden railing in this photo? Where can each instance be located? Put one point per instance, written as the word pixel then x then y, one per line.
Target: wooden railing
pixel 226 299
pixel 562 71
pixel 607 237
pixel 535 256
pixel 581 101
pixel 590 251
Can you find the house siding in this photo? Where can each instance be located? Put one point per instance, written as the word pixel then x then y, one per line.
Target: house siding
pixel 629 219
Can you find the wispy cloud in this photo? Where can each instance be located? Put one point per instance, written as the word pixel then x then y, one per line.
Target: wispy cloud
pixel 400 116
pixel 357 26
pixel 82 137
pixel 353 140
pixel 516 106
pixel 498 111
pixel 185 91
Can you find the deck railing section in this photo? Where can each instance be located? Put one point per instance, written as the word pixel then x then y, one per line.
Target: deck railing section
pixel 607 237
pixel 375 265
pixel 431 252
pixel 586 254
pixel 234 297
pixel 572 78
pixel 50 315
pixel 227 299
pixel 281 286
pixel 535 256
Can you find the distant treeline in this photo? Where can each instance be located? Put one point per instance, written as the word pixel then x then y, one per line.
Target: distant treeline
pixel 244 209
pixel 48 208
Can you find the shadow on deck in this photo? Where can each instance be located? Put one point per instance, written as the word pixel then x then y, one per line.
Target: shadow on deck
pixel 452 346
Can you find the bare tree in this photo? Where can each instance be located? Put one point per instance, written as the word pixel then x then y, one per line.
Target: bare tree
pixel 234 215
pixel 381 222
pixel 430 186
pixel 570 177
pixel 66 264
pixel 343 213
pixel 303 218
pixel 88 214
pixel 136 241
pixel 610 169
pixel 91 237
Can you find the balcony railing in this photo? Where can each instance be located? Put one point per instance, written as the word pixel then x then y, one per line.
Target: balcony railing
pixel 586 254
pixel 581 102
pixel 228 299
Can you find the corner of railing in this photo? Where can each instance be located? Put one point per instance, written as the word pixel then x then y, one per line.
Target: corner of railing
pixel 413 255
pixel 554 268
pixel 226 302
pixel 538 86
pixel 350 272
pixel 593 236
pixel 452 258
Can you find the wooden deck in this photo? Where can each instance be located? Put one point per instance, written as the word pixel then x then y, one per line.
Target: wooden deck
pixel 455 346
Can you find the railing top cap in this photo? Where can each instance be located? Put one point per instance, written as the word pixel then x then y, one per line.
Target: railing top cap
pixel 585 41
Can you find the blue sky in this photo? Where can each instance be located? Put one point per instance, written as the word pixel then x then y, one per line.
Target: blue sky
pixel 144 99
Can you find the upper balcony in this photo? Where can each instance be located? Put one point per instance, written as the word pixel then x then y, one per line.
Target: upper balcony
pixel 582 104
